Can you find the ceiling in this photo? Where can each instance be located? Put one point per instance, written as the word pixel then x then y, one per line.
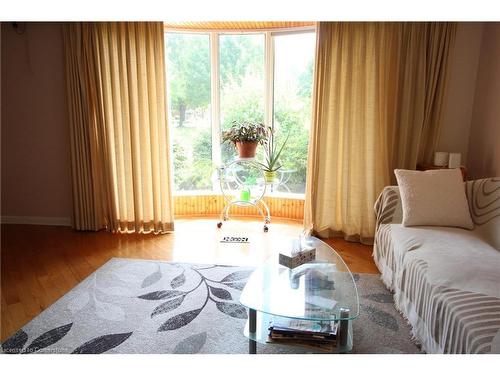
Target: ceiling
pixel 236 25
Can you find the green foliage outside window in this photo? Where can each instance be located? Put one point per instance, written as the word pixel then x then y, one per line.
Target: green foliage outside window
pixel 188 73
pixel 241 71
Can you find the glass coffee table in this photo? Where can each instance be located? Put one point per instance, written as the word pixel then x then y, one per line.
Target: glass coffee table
pixel 320 291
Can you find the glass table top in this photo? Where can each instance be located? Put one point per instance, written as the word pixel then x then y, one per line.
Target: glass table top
pixel 317 290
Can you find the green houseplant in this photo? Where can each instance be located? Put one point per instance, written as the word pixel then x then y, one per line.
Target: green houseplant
pixel 272 154
pixel 246 136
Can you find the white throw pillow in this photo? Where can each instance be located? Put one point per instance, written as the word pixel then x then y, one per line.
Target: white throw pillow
pixel 434 197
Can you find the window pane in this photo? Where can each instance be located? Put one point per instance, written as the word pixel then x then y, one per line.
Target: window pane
pixel 241 69
pixel 188 72
pixel 293 68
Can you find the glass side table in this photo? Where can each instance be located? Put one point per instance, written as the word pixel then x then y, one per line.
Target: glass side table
pixel 306 292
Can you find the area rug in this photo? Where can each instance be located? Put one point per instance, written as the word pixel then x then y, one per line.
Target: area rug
pixel 140 306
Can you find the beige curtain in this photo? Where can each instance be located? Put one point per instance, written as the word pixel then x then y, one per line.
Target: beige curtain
pixel 376 106
pixel 119 135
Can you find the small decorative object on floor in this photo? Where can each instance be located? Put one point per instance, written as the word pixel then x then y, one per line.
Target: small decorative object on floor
pixel 236 239
pixel 298 254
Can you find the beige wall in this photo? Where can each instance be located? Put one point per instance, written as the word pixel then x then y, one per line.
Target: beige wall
pixel 35 137
pixel 484 143
pixel 458 105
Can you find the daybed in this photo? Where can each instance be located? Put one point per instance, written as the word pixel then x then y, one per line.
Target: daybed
pixel 446 280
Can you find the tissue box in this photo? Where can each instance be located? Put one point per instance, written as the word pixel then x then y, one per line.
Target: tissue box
pixel 293 259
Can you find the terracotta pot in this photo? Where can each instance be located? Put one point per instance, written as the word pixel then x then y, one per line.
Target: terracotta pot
pixel 246 149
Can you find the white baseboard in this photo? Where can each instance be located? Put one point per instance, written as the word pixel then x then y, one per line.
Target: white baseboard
pixel 37 220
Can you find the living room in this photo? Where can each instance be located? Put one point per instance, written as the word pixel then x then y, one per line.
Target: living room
pixel 136 221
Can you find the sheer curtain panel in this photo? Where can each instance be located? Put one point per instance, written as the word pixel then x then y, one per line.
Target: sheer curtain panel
pixel 119 136
pixel 376 106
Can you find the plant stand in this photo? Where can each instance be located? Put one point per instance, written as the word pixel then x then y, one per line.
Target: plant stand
pixel 242 183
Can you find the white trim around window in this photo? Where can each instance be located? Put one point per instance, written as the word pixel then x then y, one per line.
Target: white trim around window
pixel 215 98
pixel 215 88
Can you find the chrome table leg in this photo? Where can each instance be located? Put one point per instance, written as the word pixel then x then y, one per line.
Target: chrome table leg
pixel 252 328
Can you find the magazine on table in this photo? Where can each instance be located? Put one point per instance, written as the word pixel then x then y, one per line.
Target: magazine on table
pixel 323 345
pixel 321 329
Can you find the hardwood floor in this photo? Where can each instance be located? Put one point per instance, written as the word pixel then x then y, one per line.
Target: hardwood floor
pixel 39 264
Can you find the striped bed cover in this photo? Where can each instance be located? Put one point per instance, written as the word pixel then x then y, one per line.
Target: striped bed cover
pixel 444 318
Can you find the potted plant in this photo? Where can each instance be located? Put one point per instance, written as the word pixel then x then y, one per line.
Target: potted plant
pixel 271 156
pixel 246 136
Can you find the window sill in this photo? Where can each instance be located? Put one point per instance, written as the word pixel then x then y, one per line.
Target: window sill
pixel 288 206
pixel 191 193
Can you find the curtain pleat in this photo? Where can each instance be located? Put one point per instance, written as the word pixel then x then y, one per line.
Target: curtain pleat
pixel 127 187
pixel 440 37
pixel 376 107
pixel 87 205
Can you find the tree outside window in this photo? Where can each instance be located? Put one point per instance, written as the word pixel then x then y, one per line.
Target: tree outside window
pixel 241 88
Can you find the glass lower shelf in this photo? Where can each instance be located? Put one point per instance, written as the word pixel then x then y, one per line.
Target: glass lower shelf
pixel 261 336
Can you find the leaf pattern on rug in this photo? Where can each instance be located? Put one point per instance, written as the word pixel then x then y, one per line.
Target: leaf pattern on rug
pixel 168 306
pixel 380 297
pixel 161 294
pixel 180 320
pixel 232 309
pixel 78 302
pixel 102 344
pixel 48 338
pixel 236 276
pixel 381 318
pixel 152 278
pixel 178 281
pixel 191 345
pixel 237 285
pixel 108 311
pixel 221 293
pixel 116 291
pixel 15 343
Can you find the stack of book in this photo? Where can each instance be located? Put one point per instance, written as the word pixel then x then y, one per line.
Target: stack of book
pixel 320 335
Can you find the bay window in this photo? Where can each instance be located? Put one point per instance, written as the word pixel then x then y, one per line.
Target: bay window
pixel 216 78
